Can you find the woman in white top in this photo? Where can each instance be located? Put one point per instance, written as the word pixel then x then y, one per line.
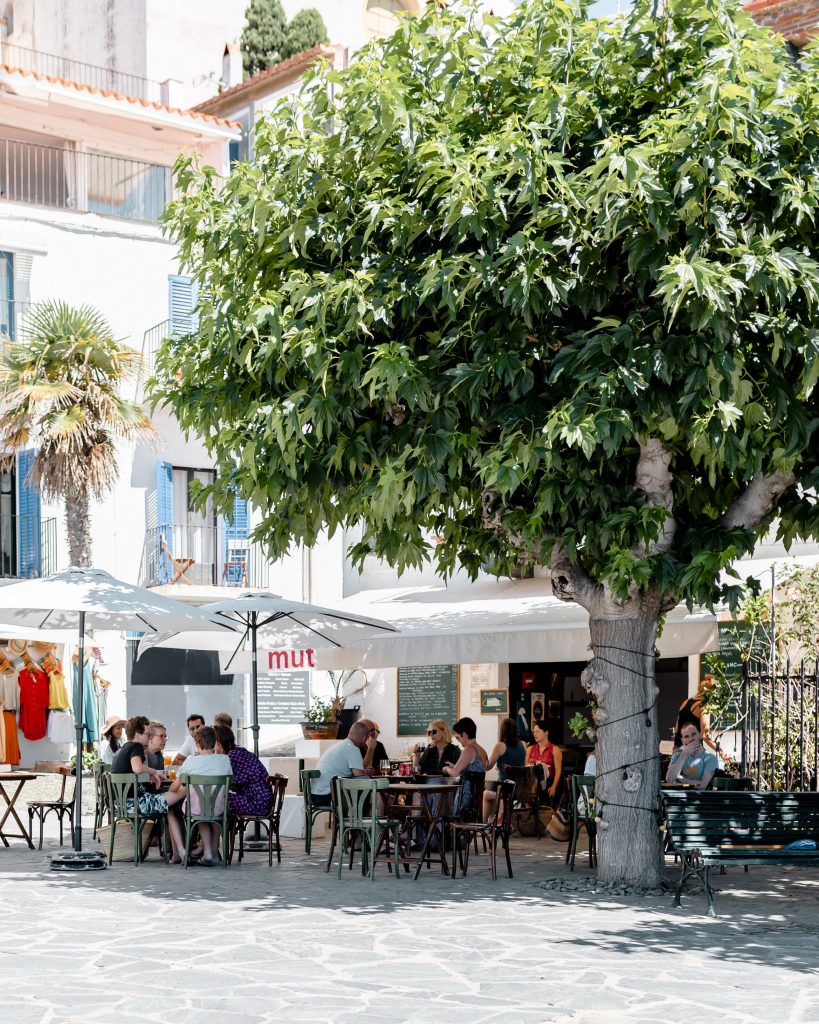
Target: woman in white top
pixel 111 738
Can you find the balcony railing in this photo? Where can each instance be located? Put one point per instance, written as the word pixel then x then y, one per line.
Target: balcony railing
pixel 152 339
pixel 28 547
pixel 65 179
pixel 202 556
pixel 78 71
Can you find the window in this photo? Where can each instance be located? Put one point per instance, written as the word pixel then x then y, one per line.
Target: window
pixel 6 295
pixel 381 17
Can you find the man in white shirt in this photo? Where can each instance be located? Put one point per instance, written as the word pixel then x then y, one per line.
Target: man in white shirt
pixel 343 760
pixel 188 748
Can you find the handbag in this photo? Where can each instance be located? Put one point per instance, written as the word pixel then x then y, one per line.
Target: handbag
pixel 560 825
pixel 526 824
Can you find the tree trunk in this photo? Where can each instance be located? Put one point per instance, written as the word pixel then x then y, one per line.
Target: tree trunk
pixel 78 527
pixel 621 678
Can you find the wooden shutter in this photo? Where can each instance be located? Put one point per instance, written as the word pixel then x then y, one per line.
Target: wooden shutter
pixel 181 305
pixel 164 519
pixel 29 546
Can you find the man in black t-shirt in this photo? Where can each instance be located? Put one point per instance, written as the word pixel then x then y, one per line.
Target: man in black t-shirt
pixel 131 758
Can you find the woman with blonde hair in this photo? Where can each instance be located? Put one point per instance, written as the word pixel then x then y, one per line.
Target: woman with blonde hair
pixel 439 751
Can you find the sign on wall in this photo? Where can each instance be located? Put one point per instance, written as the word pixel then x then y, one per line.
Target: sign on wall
pixel 426 692
pixel 283 697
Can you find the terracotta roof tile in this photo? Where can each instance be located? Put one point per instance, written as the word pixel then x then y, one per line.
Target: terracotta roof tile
pixel 133 100
pixel 280 70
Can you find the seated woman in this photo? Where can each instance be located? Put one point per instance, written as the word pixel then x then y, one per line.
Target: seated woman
pixel 111 738
pixel 692 762
pixel 548 755
pixel 249 792
pixel 507 751
pixel 439 750
pixel 379 750
pixel 473 758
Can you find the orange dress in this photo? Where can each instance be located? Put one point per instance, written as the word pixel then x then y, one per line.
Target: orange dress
pixel 12 746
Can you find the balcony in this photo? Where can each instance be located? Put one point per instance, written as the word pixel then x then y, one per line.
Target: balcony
pixel 209 556
pixel 65 179
pixel 78 71
pixel 28 547
pixel 12 318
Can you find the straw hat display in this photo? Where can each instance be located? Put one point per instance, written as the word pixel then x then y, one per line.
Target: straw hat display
pixel 17 647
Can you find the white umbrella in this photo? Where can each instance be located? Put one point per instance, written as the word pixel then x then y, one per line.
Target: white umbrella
pixel 82 599
pixel 273 620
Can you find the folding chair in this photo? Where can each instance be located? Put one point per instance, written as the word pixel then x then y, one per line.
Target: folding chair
pixel 180 566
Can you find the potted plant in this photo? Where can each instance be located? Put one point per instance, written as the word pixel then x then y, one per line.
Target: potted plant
pixel 346 716
pixel 320 722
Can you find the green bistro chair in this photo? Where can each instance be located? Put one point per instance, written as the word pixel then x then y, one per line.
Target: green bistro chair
pixel 582 807
pixel 357 808
pixel 207 789
pixel 725 782
pixel 311 811
pixel 123 803
pixel 102 807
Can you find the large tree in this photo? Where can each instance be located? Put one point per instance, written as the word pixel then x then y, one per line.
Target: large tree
pixel 263 37
pixel 61 389
pixel 544 290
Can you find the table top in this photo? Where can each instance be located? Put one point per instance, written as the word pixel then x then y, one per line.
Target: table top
pixel 424 787
pixel 17 776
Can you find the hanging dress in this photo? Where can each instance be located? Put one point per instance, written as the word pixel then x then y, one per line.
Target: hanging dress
pixel 57 693
pixel 89 708
pixel 33 684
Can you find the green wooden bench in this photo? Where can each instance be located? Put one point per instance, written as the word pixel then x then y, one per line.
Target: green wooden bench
pixel 716 828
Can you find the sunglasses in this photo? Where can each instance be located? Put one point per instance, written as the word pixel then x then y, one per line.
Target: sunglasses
pixel 432 732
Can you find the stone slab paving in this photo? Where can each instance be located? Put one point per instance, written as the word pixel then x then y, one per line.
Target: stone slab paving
pixel 293 944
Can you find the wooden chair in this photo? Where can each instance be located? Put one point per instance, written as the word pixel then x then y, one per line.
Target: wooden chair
pixel 180 566
pixel 123 800
pixel 102 808
pixel 357 805
pixel 207 789
pixel 582 797
pixel 497 829
pixel 62 807
pixel 239 822
pixel 527 793
pixel 311 810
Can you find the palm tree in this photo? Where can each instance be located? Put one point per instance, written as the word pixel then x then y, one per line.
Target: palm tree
pixel 59 391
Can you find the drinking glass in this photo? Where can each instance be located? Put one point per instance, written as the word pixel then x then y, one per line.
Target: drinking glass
pixel 385 767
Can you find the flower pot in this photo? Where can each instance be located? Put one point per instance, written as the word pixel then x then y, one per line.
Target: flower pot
pixel 346 717
pixel 319 730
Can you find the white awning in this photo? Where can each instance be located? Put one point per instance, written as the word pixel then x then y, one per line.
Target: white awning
pixel 491 621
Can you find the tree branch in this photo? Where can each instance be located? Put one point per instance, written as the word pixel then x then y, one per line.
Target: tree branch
pixel 654 479
pixel 759 498
pixel 571 582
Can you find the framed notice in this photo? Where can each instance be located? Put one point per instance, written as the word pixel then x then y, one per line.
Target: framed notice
pixel 494 702
pixel 426 692
pixel 283 697
pixel 538 707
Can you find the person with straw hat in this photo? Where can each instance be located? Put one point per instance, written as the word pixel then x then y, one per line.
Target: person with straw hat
pixel 111 738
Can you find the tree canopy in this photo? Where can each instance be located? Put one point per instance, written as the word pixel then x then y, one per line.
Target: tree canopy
pixel 269 38
pixel 522 255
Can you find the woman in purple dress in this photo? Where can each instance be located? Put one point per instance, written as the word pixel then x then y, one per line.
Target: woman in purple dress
pixel 249 792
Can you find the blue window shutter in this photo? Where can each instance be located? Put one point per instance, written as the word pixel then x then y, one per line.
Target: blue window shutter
pixel 235 548
pixel 164 517
pixel 181 305
pixel 29 559
pixel 6 295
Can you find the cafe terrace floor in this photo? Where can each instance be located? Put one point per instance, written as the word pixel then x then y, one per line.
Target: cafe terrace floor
pixel 292 943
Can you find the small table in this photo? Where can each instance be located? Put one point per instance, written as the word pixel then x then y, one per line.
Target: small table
pixel 431 812
pixel 21 778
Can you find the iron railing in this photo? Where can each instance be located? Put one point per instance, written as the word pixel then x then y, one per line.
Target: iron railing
pixel 202 556
pixel 65 179
pixel 78 71
pixel 152 339
pixel 779 721
pixel 28 546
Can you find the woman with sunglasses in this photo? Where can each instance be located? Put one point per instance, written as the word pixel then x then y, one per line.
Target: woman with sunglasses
pixel 439 751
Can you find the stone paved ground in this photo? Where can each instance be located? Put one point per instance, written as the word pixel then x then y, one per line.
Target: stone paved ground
pixel 292 944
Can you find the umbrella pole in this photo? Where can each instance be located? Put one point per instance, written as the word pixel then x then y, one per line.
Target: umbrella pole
pixel 256 842
pixel 80 727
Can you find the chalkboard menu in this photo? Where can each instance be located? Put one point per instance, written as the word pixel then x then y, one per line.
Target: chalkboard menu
pixel 426 692
pixel 737 641
pixel 283 697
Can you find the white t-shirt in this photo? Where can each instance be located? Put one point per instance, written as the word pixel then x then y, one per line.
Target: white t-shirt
pixel 339 760
pixel 188 748
pixel 206 764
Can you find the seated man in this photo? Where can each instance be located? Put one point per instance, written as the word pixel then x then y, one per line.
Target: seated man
pixel 222 718
pixel 188 748
pixel 131 758
pixel 343 760
pixel 155 751
pixel 692 763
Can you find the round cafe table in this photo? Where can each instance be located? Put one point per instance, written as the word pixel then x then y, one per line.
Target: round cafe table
pixel 431 813
pixel 21 778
